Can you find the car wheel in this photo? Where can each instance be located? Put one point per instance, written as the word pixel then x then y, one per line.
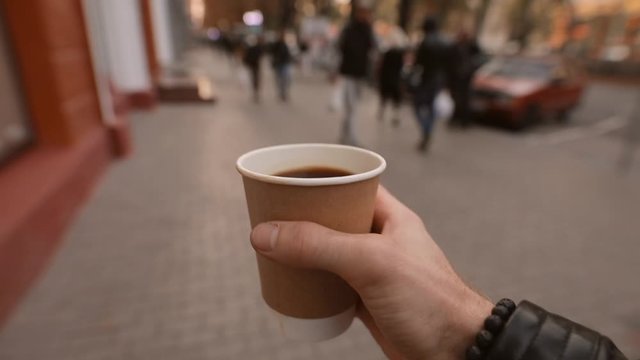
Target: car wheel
pixel 530 116
pixel 562 116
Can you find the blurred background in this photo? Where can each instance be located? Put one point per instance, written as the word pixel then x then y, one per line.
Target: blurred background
pixel 123 226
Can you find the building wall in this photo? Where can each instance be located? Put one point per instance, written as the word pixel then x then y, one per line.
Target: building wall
pixel 219 12
pixel 146 16
pixel 51 51
pixel 162 31
pixel 42 187
pixel 126 46
pixel 180 27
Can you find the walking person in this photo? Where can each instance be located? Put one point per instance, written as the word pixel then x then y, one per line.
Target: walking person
pixel 305 56
pixel 430 61
pixel 229 46
pixel 632 141
pixel 281 60
pixel 466 59
pixel 252 59
pixel 355 45
pixel 389 76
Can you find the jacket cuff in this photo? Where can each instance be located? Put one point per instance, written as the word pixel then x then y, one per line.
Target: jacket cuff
pixel 532 333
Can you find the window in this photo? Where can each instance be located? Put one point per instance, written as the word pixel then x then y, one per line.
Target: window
pixel 15 131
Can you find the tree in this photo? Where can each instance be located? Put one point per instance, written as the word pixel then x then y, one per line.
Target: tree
pixel 404 13
pixel 323 7
pixel 447 11
pixel 530 17
pixel 481 14
pixel 444 8
pixel 521 22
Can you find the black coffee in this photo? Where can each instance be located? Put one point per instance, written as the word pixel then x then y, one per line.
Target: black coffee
pixel 314 172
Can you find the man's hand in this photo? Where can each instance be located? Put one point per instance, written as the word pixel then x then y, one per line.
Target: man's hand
pixel 413 302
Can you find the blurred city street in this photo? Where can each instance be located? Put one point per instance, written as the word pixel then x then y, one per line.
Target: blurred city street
pixel 158 264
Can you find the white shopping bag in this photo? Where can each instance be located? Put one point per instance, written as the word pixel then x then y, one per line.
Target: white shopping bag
pixel 336 102
pixel 444 105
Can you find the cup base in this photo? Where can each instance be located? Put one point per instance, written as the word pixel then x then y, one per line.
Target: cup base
pixel 314 329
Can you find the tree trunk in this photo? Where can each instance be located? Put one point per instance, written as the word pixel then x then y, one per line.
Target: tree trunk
pixel 404 14
pixel 571 25
pixel 322 7
pixel 444 8
pixel 521 28
pixel 481 14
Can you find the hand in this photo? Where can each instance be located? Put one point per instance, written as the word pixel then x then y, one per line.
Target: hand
pixel 413 302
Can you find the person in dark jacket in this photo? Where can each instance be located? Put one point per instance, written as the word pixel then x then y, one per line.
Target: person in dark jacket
pixel 281 62
pixel 413 302
pixel 466 58
pixel 430 61
pixel 355 45
pixel 389 77
pixel 252 60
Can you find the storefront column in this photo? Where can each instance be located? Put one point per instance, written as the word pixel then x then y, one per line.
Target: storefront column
pixel 126 51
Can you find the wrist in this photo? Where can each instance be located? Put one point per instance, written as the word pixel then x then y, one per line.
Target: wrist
pixel 492 328
pixel 468 319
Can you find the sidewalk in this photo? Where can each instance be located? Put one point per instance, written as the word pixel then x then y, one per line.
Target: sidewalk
pixel 158 265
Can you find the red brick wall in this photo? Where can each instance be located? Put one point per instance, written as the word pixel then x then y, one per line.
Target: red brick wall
pixel 51 48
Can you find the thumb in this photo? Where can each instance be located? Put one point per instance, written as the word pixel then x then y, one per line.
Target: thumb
pixel 309 245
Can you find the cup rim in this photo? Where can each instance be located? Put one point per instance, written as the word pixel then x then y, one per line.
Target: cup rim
pixel 338 180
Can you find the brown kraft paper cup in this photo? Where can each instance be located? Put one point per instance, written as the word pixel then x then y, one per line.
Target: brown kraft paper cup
pixel 310 304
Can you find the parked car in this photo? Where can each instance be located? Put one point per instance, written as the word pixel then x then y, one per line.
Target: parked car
pixel 518 91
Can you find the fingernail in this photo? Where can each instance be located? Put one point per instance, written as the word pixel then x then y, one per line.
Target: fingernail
pixel 264 236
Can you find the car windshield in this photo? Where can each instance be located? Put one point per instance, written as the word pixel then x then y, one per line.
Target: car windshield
pixel 519 68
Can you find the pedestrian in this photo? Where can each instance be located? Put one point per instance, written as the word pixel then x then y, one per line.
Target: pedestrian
pixel 305 56
pixel 226 44
pixel 355 45
pixel 632 139
pixel 389 76
pixel 281 60
pixel 466 59
pixel 414 303
pixel 429 67
pixel 252 59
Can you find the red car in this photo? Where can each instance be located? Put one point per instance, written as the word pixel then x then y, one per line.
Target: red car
pixel 519 91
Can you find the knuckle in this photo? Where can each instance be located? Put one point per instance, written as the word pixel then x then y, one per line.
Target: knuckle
pixel 410 222
pixel 414 218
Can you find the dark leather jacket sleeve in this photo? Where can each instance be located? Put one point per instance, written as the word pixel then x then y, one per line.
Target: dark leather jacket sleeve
pixel 535 334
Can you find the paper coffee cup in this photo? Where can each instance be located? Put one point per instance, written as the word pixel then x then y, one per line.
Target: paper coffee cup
pixel 310 304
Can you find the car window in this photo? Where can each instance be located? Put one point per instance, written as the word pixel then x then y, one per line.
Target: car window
pixel 520 68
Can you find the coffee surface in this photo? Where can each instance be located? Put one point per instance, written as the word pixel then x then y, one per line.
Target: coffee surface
pixel 314 172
